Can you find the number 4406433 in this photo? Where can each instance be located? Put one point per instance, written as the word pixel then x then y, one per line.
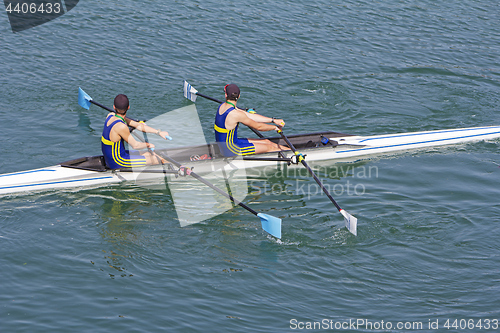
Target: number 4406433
pixel 32 8
pixel 472 324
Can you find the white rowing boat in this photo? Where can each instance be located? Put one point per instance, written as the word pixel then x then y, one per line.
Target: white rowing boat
pixel 91 172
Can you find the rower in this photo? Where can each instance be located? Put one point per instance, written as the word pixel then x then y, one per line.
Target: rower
pixel 116 133
pixel 226 127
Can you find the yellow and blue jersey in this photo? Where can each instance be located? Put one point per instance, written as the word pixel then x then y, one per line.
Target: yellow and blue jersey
pixel 228 140
pixel 115 154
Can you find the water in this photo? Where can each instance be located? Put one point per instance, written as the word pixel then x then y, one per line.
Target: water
pixel 115 258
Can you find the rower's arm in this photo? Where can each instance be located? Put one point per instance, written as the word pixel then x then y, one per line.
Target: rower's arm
pixel 263 119
pixel 123 132
pixel 141 126
pixel 244 118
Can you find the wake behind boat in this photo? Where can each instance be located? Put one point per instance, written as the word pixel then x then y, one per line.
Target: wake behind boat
pixel 337 147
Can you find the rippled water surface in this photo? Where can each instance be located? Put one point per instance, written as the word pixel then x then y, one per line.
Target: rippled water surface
pixel 115 258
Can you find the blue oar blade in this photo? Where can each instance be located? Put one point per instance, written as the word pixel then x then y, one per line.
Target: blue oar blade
pixel 190 92
pixel 271 224
pixel 83 99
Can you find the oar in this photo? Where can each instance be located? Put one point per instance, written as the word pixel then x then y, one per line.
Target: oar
pixel 84 100
pixel 270 224
pixel 350 221
pixel 151 151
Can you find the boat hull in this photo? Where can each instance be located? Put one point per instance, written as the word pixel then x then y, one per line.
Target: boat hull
pixel 380 144
pixel 54 177
pixel 90 171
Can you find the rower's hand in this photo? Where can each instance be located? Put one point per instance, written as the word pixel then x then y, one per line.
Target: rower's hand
pixel 150 145
pixel 164 134
pixel 279 122
pixel 161 159
pixel 279 127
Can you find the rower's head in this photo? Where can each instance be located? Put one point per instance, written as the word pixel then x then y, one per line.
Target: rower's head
pixel 121 104
pixel 232 92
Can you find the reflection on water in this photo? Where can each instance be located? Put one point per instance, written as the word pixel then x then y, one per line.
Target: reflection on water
pixel 84 122
pixel 128 218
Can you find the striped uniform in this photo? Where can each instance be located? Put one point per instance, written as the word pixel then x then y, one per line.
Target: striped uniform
pixel 228 140
pixel 115 154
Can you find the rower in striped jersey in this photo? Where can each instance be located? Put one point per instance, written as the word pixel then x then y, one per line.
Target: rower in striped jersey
pixel 116 133
pixel 227 120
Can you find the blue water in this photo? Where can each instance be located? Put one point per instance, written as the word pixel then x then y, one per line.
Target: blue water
pixel 115 258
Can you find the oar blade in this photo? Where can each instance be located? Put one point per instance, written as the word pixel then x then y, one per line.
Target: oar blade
pixel 351 223
pixel 83 99
pixel 271 224
pixel 190 92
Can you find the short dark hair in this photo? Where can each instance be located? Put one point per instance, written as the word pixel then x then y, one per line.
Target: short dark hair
pixel 121 102
pixel 232 92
